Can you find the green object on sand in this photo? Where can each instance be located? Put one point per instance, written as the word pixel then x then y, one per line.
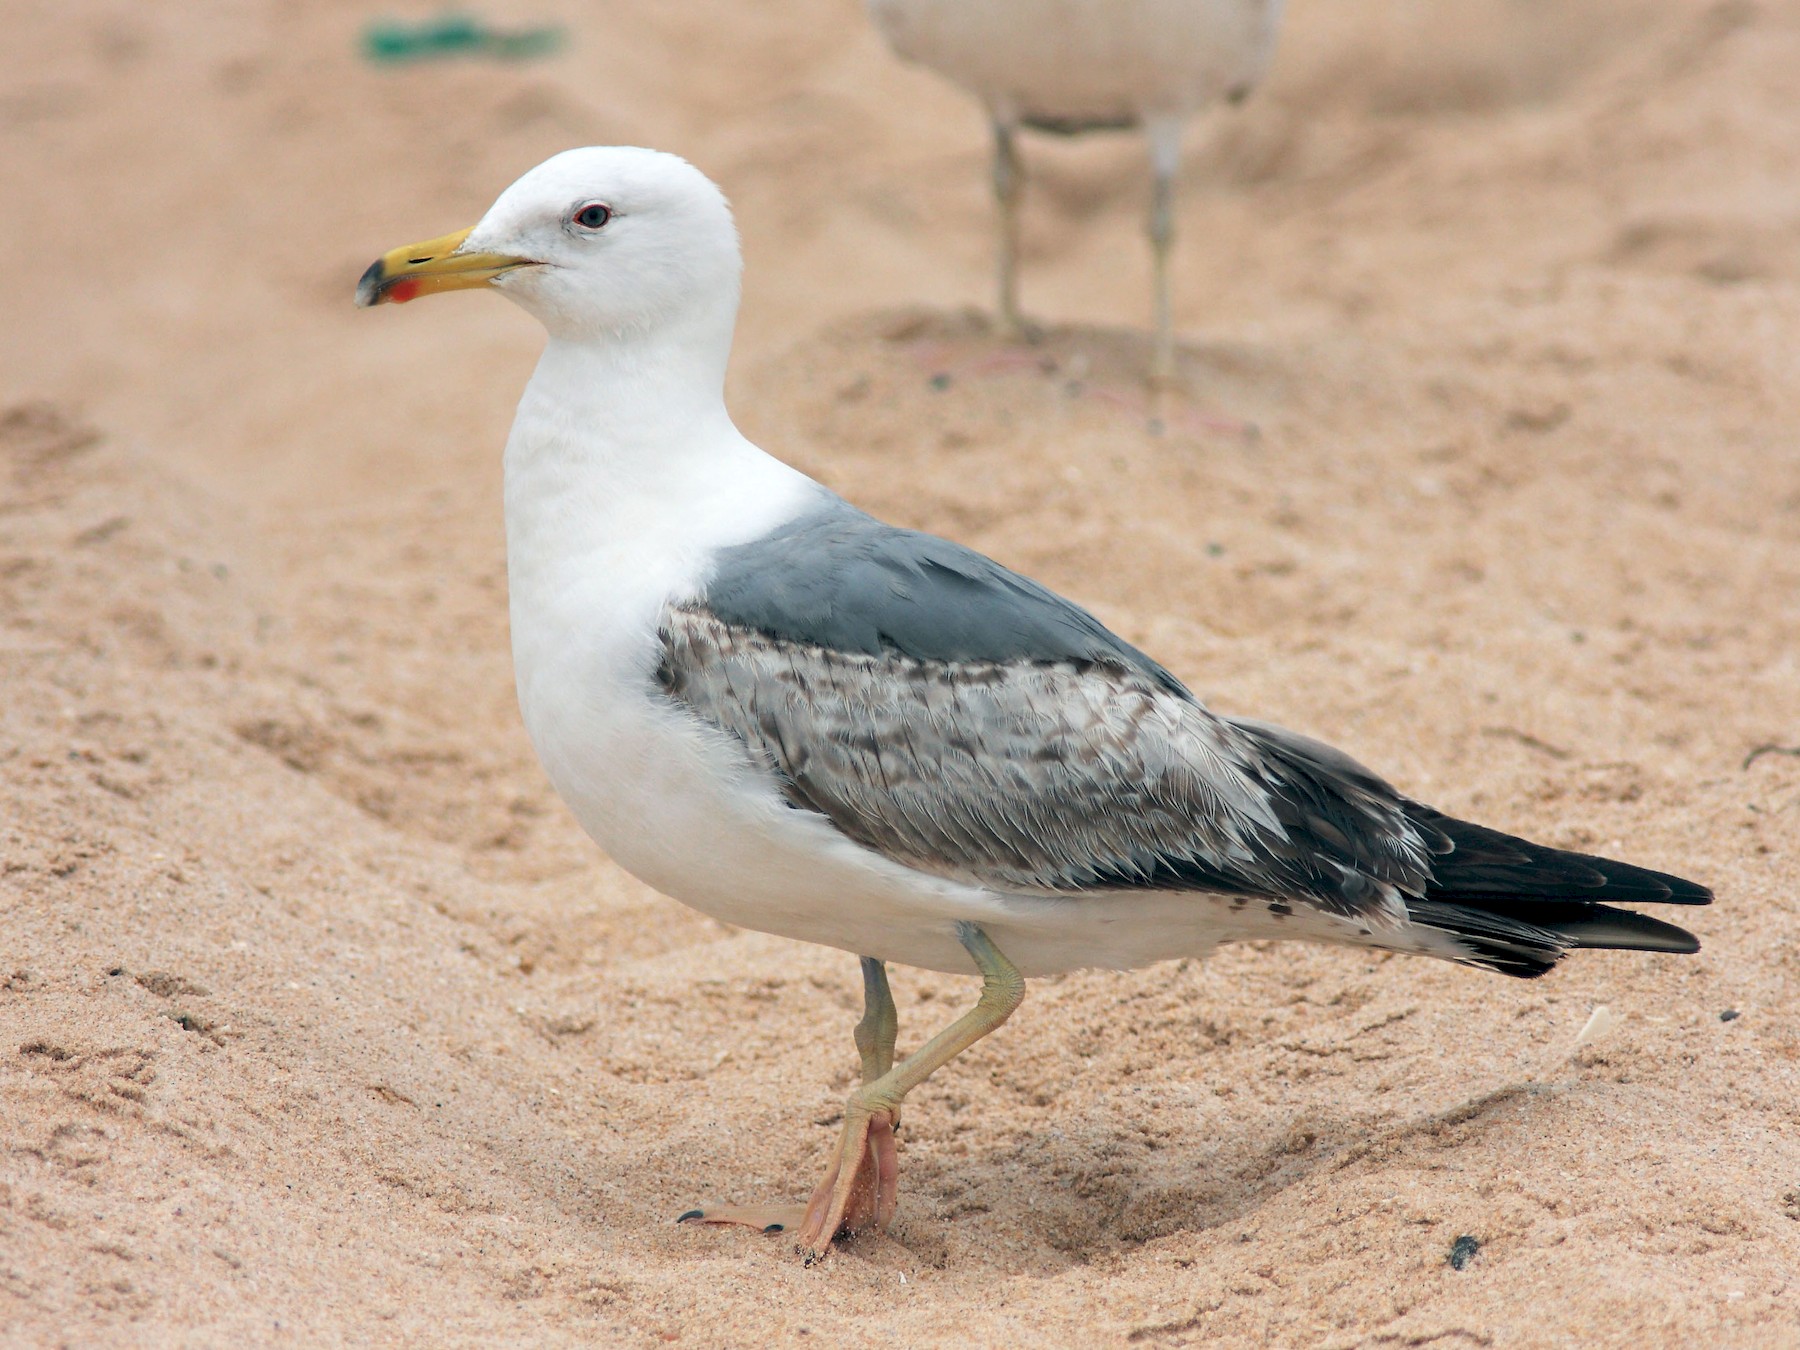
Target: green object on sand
pixel 389 41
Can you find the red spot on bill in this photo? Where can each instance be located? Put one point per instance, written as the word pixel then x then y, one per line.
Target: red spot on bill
pixel 402 291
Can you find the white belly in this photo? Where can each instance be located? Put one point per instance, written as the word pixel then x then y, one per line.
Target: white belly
pixel 678 806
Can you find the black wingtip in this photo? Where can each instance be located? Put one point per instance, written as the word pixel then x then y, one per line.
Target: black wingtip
pixel 1684 892
pixel 1624 930
pixel 1489 869
pixel 1528 938
pixel 1632 884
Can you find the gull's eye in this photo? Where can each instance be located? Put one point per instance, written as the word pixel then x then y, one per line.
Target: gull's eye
pixel 592 215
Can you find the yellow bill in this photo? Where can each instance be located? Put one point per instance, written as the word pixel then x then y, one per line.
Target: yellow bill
pixel 435 265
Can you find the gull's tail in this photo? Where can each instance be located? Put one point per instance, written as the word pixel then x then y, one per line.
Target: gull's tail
pixel 1518 907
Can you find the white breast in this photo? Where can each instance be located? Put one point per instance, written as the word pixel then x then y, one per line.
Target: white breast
pixel 599 539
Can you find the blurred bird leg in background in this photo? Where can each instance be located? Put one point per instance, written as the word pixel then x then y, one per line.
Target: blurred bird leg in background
pixel 1165 162
pixel 1008 180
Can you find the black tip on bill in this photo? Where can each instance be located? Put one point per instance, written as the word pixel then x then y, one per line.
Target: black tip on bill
pixel 368 289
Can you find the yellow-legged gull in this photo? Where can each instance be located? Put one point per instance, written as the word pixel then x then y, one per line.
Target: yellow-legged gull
pixel 798 719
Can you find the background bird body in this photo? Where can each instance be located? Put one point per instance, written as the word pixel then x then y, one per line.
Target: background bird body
pixel 1076 65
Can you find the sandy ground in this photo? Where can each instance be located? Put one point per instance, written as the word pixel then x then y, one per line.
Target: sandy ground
pixel 320 1022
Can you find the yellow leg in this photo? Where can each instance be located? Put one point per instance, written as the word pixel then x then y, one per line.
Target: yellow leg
pixel 861 1186
pixel 875 1036
pixel 874 1106
pixel 880 1025
pixel 878 1171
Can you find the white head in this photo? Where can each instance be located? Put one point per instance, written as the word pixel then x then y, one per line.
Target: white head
pixel 599 244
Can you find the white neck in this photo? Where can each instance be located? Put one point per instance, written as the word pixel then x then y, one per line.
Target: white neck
pixel 623 473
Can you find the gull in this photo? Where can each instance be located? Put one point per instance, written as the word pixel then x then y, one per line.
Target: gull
pixel 1068 66
pixel 798 719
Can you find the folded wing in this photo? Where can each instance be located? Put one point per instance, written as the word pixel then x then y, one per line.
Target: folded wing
pixel 962 720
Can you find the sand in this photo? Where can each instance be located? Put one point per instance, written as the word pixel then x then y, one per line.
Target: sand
pixel 321 1023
